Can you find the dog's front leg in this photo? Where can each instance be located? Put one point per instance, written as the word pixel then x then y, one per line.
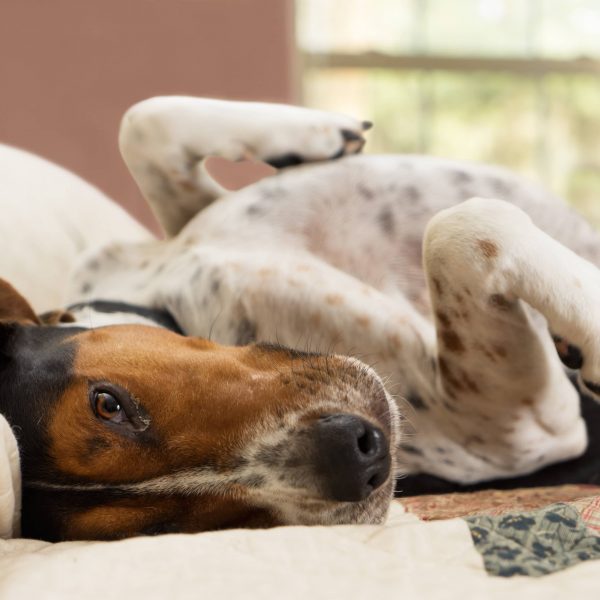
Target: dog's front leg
pixel 165 140
pixel 504 399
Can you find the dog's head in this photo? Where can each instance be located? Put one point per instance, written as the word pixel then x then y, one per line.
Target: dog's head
pixel 127 430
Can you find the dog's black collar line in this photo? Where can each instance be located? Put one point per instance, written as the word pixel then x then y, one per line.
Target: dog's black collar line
pixel 160 316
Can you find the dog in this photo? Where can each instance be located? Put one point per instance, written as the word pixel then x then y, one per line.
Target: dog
pixel 467 306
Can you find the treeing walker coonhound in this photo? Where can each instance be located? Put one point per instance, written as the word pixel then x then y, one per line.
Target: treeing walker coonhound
pixel 462 285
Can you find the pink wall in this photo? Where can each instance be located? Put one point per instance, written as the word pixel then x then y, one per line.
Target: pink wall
pixel 69 69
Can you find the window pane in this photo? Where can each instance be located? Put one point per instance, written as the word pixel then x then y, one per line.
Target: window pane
pixel 478 27
pixel 569 28
pixel 355 25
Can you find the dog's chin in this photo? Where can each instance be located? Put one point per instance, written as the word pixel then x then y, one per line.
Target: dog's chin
pixel 372 510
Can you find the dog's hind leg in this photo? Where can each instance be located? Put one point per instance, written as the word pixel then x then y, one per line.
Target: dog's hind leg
pixel 504 403
pixel 165 141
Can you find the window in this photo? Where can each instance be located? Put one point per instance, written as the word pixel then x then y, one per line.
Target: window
pixel 512 82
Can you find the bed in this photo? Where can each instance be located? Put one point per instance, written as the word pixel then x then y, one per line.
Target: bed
pixel 541 543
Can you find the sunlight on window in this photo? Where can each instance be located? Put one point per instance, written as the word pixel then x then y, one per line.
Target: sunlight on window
pixel 512 82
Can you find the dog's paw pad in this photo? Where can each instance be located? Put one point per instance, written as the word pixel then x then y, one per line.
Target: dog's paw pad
pixel 569 354
pixel 290 159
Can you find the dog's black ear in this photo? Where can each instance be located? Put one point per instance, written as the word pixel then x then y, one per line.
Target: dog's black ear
pixel 13 307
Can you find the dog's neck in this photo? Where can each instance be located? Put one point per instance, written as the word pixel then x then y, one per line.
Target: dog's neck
pixel 98 313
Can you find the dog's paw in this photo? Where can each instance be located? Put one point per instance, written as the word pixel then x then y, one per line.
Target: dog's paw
pixel 305 135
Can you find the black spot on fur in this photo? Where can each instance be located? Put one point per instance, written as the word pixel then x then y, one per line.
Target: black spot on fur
pixel 254 210
pixel 412 193
pixel 386 221
pixel 500 187
pixel 215 285
pixel 461 177
pixel 365 192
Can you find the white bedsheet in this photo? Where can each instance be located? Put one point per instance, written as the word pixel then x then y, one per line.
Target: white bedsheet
pixel 403 559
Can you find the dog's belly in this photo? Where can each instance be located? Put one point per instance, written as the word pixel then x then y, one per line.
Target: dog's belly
pixel 366 215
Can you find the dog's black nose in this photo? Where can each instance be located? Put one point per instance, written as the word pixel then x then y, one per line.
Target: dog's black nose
pixel 353 457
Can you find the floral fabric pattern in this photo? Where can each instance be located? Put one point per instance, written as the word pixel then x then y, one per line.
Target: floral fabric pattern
pixel 537 542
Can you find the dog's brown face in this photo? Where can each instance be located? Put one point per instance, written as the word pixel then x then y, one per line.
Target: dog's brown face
pixel 130 430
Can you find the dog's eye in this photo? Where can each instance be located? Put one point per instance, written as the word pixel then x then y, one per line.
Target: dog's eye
pixel 107 406
pixel 117 408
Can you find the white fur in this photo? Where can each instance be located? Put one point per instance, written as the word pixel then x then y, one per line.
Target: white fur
pixel 49 218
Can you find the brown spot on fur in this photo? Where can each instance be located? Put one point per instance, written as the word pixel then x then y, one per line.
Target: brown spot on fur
pixel 448 376
pixel 474 439
pixel 187 185
pixel 334 299
pixel 315 320
pixel 437 285
pixel 500 302
pixel 500 351
pixel 452 341
pixel 488 248
pixel 395 341
pixel 443 318
pixel 266 272
pixel 363 321
pixel 471 385
pixel 528 401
